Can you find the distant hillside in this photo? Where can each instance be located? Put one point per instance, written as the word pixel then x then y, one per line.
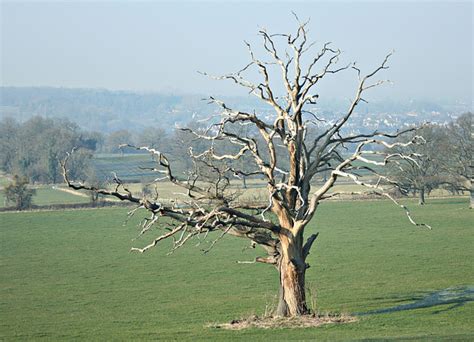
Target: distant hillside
pixel 107 111
pixel 100 110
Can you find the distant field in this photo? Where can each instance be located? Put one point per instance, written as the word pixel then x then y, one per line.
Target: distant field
pixel 47 195
pixel 256 190
pixel 4 179
pixel 69 275
pixel 126 166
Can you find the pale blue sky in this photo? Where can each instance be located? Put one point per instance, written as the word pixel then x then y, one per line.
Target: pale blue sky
pixel 160 46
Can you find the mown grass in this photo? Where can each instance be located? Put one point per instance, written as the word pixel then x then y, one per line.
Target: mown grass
pixel 69 275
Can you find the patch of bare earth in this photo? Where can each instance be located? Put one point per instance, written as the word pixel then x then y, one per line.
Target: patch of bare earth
pixel 270 322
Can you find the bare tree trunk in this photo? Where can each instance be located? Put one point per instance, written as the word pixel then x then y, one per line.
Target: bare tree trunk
pixel 244 182
pixel 292 268
pixel 471 203
pixel 421 199
pixel 471 193
pixel 94 197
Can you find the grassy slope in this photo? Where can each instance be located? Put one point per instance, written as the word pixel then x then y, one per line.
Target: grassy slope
pixel 69 275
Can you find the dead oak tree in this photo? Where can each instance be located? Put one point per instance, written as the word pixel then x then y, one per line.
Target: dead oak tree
pixel 278 224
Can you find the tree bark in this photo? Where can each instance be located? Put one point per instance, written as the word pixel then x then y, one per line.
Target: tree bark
pixel 421 199
pixel 282 308
pixel 292 268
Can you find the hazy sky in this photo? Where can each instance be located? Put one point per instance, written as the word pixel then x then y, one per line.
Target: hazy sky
pixel 160 46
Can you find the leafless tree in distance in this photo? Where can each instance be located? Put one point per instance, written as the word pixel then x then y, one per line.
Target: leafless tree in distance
pixel 428 173
pixel 459 162
pixel 278 224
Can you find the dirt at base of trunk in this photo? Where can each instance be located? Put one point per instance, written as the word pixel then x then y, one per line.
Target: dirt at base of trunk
pixel 306 321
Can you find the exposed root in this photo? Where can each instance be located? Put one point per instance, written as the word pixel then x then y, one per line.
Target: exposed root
pixel 270 322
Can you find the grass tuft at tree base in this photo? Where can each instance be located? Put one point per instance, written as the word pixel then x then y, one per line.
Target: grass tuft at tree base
pixel 271 322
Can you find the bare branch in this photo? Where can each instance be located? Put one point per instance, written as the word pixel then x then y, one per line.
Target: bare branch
pixel 158 239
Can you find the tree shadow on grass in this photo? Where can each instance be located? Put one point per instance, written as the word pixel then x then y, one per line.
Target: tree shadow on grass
pixel 457 296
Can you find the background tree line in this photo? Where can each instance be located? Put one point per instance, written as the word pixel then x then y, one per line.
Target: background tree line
pixel 33 149
pixel 444 161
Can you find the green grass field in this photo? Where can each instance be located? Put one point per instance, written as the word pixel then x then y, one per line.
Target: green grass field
pixel 69 275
